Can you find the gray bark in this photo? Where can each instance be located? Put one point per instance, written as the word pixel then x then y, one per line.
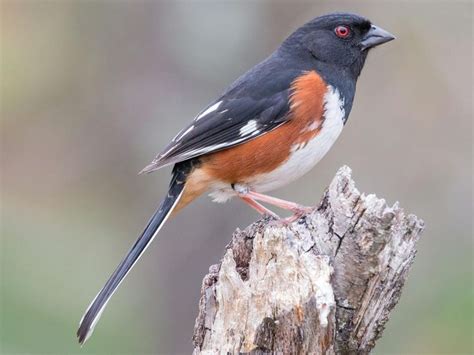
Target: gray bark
pixel 323 285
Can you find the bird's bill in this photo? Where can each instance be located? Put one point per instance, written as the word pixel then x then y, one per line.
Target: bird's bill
pixel 376 36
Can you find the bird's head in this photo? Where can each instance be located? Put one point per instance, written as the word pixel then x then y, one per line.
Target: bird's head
pixel 340 39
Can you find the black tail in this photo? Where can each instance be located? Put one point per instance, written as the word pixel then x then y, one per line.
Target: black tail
pixel 93 313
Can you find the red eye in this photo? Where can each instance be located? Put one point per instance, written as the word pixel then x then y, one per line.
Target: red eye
pixel 342 31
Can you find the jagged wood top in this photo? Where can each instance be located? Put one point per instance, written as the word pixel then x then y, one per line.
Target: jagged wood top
pixel 324 284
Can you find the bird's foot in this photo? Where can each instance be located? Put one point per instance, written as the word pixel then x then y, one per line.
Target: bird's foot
pixel 297 215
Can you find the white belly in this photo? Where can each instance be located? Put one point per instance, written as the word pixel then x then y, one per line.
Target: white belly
pixel 303 157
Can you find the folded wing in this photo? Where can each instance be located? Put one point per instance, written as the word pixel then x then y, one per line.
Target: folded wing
pixel 225 123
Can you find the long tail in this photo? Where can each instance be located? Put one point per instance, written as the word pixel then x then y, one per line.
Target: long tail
pixel 93 313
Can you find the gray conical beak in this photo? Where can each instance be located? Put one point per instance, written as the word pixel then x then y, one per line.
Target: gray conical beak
pixel 375 37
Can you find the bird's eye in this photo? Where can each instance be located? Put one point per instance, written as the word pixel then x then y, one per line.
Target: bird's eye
pixel 342 31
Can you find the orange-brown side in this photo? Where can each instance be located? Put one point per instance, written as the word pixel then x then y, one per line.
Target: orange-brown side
pixel 196 184
pixel 267 152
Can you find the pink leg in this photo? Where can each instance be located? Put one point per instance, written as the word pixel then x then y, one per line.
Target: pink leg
pixel 259 207
pixel 286 205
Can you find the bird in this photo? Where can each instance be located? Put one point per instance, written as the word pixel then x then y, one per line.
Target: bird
pixel 267 129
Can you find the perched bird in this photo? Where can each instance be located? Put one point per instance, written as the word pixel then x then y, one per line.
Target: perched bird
pixel 271 126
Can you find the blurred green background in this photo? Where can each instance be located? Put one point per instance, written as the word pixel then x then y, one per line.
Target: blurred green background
pixel 91 90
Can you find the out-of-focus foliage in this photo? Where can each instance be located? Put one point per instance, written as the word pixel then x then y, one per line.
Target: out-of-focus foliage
pixel 91 90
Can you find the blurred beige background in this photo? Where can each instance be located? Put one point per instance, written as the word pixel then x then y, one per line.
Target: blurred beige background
pixel 92 90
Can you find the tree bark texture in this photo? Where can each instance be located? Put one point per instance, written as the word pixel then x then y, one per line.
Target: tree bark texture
pixel 324 284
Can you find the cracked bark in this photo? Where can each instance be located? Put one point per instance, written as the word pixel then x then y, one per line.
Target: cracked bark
pixel 323 285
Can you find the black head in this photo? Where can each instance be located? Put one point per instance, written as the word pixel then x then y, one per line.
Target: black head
pixel 340 39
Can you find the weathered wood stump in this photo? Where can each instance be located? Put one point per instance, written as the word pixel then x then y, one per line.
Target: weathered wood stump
pixel 323 285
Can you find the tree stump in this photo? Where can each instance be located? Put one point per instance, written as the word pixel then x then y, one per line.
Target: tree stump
pixel 324 284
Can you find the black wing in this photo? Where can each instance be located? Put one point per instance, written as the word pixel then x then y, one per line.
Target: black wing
pixel 227 122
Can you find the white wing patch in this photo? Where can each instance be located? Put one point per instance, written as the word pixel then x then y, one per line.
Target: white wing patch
pixel 249 129
pixel 211 148
pixel 208 110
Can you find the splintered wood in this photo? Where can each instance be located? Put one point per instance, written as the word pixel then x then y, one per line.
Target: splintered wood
pixel 323 285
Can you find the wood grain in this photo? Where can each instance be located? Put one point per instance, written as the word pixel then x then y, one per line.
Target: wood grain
pixel 323 285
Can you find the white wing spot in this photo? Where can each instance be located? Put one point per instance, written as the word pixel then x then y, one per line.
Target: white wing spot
pixel 209 110
pixel 211 148
pixel 249 128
